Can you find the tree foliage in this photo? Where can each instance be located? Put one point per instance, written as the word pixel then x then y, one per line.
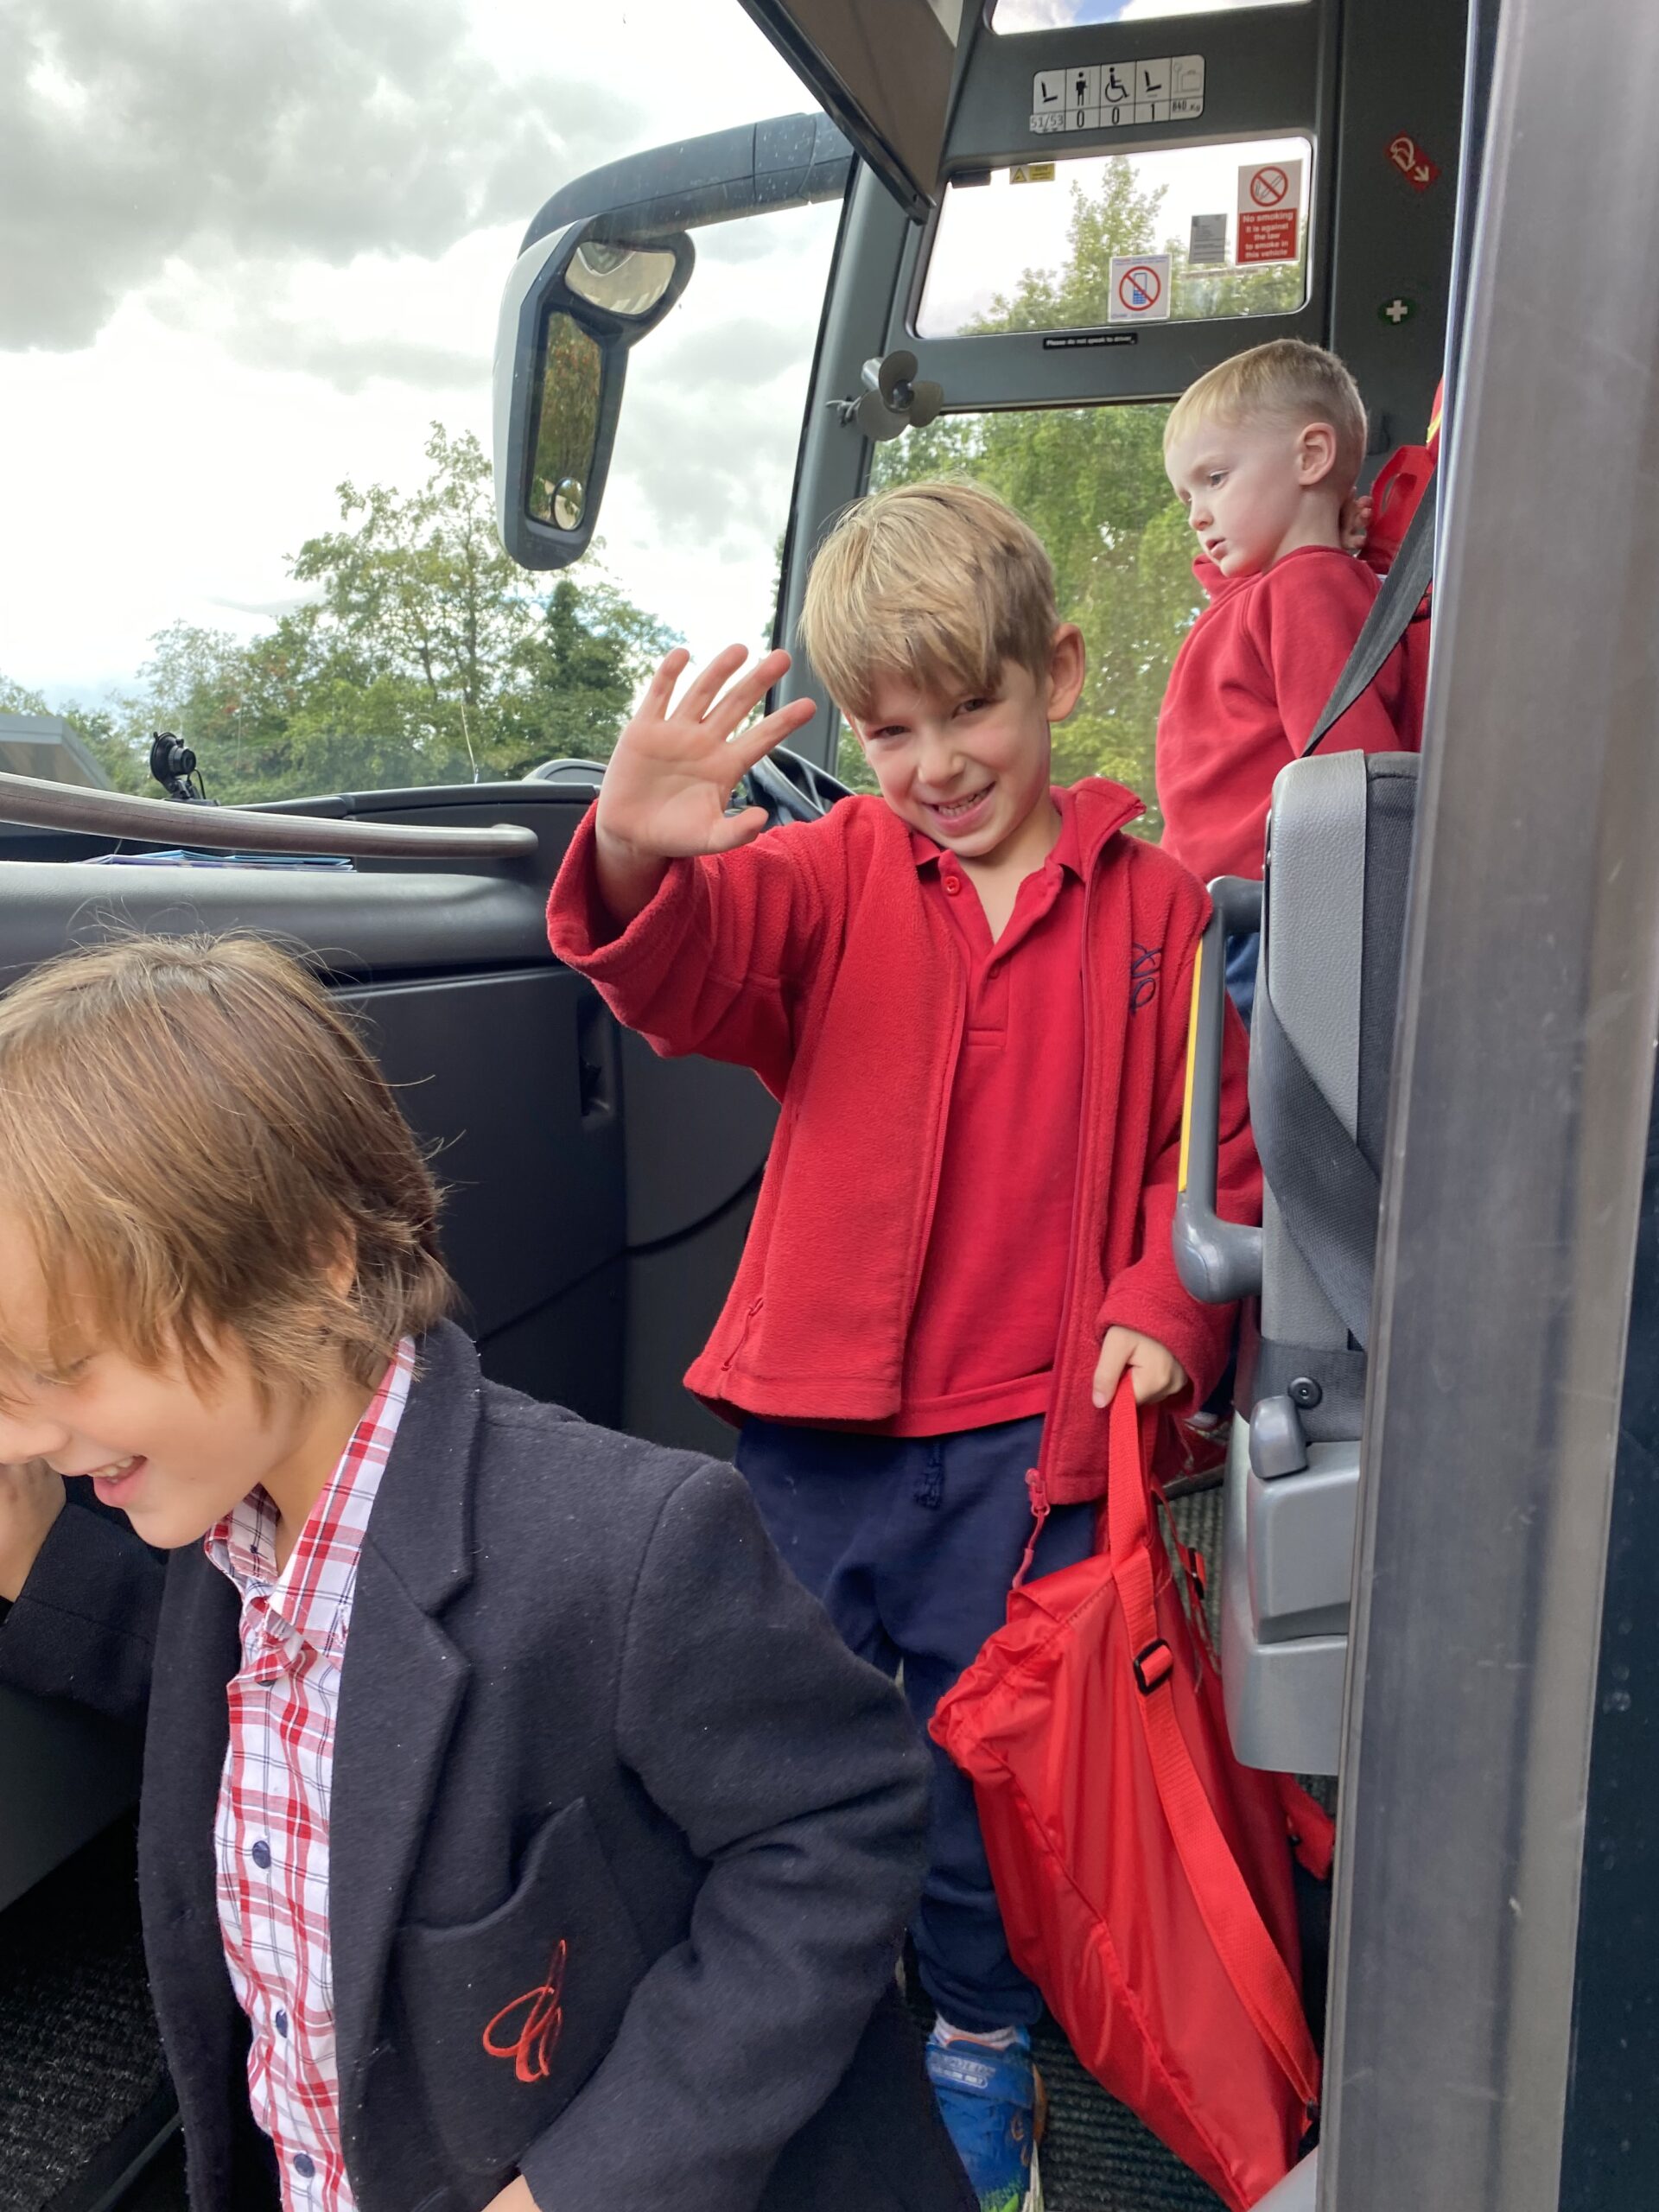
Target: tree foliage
pixel 422 655
pixel 1090 482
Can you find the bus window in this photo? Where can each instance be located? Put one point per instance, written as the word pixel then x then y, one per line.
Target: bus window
pixel 705 530
pixel 1060 15
pixel 1090 482
pixel 1033 249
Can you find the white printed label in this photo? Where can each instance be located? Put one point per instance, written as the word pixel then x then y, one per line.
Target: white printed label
pixel 1207 246
pixel 1117 95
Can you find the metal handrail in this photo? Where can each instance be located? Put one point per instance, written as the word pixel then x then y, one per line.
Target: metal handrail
pixel 45 805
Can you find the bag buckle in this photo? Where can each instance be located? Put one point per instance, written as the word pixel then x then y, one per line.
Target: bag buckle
pixel 1153 1666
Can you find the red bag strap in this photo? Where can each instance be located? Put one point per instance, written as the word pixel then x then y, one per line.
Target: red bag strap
pixel 1251 1958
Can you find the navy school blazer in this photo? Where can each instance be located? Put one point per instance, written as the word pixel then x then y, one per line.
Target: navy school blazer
pixel 622 1845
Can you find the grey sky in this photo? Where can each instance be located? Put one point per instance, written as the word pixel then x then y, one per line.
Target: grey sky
pixel 246 251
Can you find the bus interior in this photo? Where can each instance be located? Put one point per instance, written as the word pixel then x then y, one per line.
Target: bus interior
pixel 1043 218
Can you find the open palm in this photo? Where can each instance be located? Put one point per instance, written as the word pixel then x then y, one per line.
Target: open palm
pixel 677 764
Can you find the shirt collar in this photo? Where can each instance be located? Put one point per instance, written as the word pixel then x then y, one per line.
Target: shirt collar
pixel 310 1593
pixel 1067 852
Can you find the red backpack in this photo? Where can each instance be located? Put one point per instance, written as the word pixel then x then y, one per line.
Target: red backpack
pixel 1397 492
pixel 1144 1875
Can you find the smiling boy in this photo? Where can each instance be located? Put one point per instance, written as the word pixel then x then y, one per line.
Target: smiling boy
pixel 1263 453
pixel 515 1832
pixel 969 993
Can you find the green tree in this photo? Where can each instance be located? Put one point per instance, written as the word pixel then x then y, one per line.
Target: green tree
pixel 424 656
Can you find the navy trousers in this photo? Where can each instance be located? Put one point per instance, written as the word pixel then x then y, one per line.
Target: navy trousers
pixel 1241 951
pixel 912 1543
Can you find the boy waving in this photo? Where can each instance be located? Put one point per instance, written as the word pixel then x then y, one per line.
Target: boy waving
pixel 969 995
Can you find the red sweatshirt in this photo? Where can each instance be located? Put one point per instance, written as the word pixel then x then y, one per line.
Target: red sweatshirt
pixel 1249 681
pixel 813 956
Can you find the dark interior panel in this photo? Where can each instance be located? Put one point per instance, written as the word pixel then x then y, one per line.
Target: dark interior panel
pixel 698 1133
pixel 355 922
pixel 571 1352
pixel 488 1071
pixel 675 1291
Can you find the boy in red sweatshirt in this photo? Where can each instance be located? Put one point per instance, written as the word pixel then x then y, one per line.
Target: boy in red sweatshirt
pixel 1264 452
pixel 970 995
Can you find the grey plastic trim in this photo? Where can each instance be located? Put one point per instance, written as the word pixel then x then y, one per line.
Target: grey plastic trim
pixel 1218 1262
pixel 1282 1690
pixel 1316 840
pixel 243 829
pixel 378 925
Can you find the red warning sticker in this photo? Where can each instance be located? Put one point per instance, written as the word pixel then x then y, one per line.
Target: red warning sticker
pixel 1412 162
pixel 1269 211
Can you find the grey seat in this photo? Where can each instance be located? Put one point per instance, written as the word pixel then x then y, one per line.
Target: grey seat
pixel 1332 915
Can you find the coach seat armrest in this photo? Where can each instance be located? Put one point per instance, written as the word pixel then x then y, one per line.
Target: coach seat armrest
pixel 1218 1260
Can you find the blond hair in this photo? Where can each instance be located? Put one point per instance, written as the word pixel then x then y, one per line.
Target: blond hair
pixel 196 1141
pixel 934 584
pixel 1286 381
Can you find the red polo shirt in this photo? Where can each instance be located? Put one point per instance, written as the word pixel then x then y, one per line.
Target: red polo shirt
pixel 983 1338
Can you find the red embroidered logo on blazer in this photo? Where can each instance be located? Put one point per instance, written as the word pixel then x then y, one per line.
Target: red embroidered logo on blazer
pixel 531 2042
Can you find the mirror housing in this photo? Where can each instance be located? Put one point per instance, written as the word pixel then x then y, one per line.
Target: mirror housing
pixel 572 306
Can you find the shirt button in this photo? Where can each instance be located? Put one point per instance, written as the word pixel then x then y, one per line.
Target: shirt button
pixel 280 2022
pixel 260 1854
pixel 304 2165
pixel 953 885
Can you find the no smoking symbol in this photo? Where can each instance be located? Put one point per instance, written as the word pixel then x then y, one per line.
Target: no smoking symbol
pixel 1139 289
pixel 1269 188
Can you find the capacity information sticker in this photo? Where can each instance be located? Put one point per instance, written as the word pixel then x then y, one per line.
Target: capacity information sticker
pixel 1117 95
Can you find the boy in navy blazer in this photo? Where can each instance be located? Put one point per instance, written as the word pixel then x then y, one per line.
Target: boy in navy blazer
pixel 515 1831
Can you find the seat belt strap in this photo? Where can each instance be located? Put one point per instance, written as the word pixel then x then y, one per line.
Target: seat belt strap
pixel 1400 596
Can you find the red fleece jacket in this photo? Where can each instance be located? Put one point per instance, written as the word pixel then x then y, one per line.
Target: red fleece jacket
pixel 1250 680
pixel 813 958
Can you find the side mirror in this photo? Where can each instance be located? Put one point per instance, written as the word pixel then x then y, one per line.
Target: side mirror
pixel 572 306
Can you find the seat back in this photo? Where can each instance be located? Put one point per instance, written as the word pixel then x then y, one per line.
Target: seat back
pixel 1333 928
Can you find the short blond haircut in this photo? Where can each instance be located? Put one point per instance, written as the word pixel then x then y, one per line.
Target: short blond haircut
pixel 934 584
pixel 1286 381
pixel 193 1137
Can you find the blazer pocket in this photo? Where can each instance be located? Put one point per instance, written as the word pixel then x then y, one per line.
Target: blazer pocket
pixel 509 2015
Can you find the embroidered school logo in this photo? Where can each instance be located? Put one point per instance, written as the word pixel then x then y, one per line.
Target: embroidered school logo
pixel 1144 969
pixel 530 2040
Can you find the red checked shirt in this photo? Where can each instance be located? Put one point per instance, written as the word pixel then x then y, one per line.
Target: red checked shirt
pixel 270 1833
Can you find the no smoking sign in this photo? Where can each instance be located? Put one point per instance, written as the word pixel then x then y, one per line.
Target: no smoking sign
pixel 1140 287
pixel 1269 211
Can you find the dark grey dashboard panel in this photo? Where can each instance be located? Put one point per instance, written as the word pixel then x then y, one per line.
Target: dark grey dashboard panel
pixel 66 1773
pixel 354 923
pixel 490 1072
pixel 696 1135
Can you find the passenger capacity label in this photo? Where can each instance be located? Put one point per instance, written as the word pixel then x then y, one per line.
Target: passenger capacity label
pixel 1117 95
pixel 1269 211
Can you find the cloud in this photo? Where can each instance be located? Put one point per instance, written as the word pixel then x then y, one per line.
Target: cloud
pixel 135 134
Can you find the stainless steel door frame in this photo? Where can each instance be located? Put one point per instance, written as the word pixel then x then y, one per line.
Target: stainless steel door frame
pixel 1522 1091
